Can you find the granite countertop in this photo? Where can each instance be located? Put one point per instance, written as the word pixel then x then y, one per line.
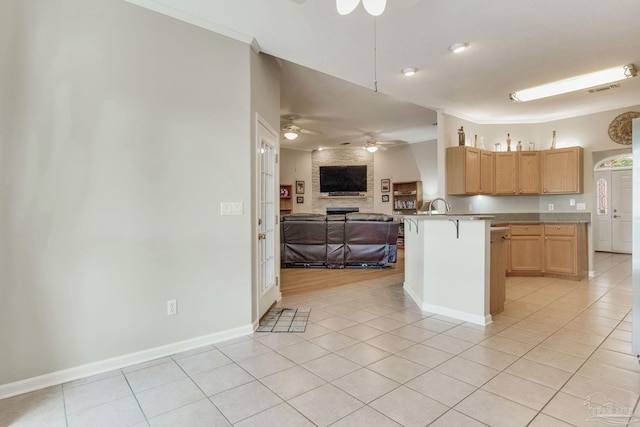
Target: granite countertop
pixel 511 218
pixel 449 216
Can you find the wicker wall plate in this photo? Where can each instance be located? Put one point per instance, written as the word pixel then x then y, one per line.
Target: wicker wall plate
pixel 620 127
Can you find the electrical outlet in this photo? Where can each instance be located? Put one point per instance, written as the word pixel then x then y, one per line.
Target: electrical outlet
pixel 550 206
pixel 172 307
pixel 572 202
pixel 470 207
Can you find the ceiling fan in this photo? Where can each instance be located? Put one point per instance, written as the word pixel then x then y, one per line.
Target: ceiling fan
pixel 374 7
pixel 291 131
pixel 374 145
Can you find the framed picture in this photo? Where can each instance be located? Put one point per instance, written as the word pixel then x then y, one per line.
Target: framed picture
pixel 385 186
pixel 385 197
pixel 299 187
pixel 299 199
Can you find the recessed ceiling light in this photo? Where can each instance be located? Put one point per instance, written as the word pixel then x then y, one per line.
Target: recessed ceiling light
pixel 458 47
pixel 410 71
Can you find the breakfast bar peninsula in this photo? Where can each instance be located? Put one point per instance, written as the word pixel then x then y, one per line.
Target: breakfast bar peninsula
pixel 447 264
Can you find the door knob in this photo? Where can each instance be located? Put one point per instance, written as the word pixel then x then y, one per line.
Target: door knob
pixel 616 216
pixel 262 236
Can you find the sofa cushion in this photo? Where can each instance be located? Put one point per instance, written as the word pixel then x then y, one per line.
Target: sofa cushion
pixel 357 216
pixel 304 217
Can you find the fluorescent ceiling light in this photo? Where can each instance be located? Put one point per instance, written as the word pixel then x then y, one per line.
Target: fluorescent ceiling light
pixel 573 84
pixel 409 71
pixel 458 47
pixel 290 134
pixel 374 7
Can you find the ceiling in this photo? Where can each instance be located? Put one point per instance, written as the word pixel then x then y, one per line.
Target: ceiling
pixel 329 66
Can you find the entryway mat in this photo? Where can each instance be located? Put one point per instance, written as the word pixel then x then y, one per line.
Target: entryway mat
pixel 285 320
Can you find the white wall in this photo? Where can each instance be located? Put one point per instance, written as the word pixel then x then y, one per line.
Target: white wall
pixel 126 130
pixel 295 165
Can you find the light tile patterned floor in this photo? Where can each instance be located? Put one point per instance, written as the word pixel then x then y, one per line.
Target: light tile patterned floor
pixel 370 357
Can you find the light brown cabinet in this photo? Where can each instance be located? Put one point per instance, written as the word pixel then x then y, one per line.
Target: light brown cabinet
pixel 487 178
pixel 526 246
pixel 558 250
pixel 562 170
pixel 474 171
pixel 565 250
pixel 506 173
pixel 529 172
pixel 463 170
pixel 498 271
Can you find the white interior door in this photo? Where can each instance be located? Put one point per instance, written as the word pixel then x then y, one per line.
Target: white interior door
pixel 621 206
pixel 268 290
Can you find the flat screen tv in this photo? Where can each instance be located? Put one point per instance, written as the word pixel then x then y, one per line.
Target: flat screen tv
pixel 343 179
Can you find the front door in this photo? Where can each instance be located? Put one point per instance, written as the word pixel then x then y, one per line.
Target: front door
pixel 612 220
pixel 621 219
pixel 267 290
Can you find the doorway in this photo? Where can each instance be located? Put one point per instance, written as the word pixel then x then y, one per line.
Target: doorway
pixel 613 196
pixel 267 290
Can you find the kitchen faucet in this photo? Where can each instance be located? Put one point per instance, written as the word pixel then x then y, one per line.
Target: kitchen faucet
pixel 447 206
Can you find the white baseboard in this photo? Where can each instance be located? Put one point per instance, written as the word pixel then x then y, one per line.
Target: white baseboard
pixel 471 318
pixel 66 375
pixel 413 296
pixel 460 315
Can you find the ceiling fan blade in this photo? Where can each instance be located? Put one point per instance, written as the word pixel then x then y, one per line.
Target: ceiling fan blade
pixel 389 142
pixel 309 131
pixel 382 148
pixel 345 7
pixel 375 7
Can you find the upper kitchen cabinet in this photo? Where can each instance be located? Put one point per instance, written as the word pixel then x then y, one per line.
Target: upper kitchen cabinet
pixel 529 172
pixel 506 173
pixel 474 171
pixel 487 167
pixel 470 171
pixel 463 170
pixel 562 170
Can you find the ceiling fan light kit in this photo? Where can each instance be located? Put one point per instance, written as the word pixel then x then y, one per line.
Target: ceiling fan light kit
pixel 373 7
pixel 290 134
pixel 576 83
pixel 458 47
pixel 371 148
pixel 408 72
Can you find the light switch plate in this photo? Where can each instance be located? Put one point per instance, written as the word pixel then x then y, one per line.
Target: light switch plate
pixel 581 206
pixel 231 208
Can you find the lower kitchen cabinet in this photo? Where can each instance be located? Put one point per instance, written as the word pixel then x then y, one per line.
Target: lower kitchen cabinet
pixel 525 252
pixel 497 291
pixel 565 250
pixel 558 250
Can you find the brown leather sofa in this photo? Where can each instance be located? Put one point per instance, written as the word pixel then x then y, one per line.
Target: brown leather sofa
pixel 338 241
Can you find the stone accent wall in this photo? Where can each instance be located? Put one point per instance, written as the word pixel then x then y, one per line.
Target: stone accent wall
pixel 341 157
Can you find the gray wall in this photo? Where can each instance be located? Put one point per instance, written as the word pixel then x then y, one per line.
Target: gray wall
pixel 122 131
